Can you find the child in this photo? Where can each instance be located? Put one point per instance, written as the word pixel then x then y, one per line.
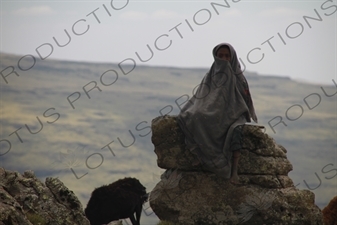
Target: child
pixel 212 119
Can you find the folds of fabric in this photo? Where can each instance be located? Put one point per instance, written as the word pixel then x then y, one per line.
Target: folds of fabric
pixel 219 105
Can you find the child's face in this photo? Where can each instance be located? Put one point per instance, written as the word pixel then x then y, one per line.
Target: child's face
pixel 224 54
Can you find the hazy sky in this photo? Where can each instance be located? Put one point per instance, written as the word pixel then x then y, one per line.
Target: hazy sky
pixel 271 37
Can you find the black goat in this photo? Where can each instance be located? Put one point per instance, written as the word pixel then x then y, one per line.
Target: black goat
pixel 115 201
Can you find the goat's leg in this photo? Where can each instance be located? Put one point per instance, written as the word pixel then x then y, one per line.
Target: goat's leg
pixel 133 221
pixel 138 212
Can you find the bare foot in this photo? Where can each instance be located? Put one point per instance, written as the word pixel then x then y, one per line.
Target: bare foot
pixel 234 180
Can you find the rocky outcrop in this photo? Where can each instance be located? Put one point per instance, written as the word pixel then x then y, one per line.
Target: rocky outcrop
pixel 330 212
pixel 25 200
pixel 188 195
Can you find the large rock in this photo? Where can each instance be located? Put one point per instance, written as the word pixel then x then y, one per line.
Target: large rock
pixel 188 195
pixel 25 200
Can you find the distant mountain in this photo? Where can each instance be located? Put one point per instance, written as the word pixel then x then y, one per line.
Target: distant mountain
pixel 88 123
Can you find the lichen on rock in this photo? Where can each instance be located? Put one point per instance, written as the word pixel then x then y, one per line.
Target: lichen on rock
pixel 25 200
pixel 187 194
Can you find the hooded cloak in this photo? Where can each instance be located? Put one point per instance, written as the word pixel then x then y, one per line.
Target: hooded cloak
pixel 221 102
